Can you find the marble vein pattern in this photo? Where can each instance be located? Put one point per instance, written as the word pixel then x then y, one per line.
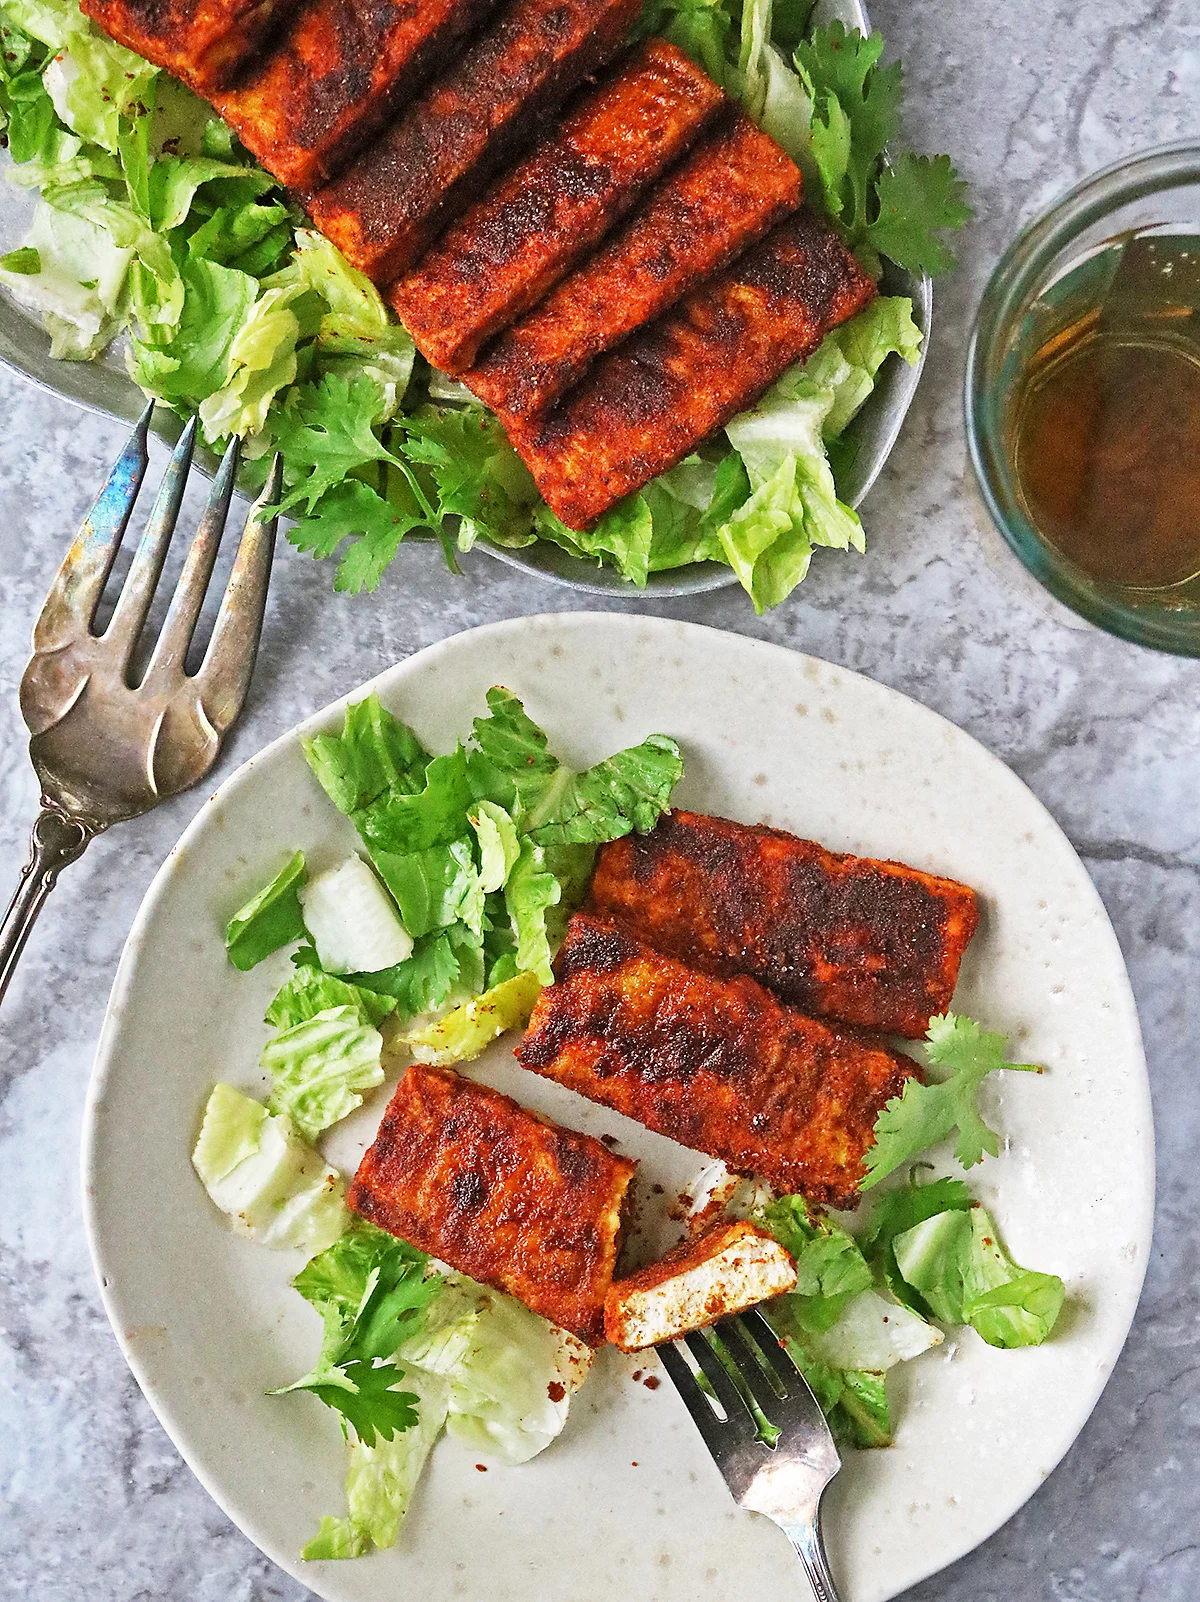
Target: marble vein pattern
pixel 95 1505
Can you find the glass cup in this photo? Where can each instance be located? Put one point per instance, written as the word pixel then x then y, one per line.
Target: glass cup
pixel 1060 262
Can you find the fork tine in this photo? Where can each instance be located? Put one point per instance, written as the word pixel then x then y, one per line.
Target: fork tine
pixel 133 604
pixel 77 588
pixel 715 1433
pixel 224 675
pixel 180 623
pixel 751 1326
pixel 714 1372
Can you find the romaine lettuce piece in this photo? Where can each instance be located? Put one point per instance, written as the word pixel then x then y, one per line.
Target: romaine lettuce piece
pixel 79 282
pixel 466 1031
pixel 380 1479
pixel 872 1333
pixel 353 921
pixel 956 1262
pixel 277 1190
pixel 499 848
pixel 628 791
pixel 830 1269
pixel 309 991
pixel 435 887
pixel 374 752
pixel 529 894
pixel 319 1068
pixel 270 919
pixel 504 1367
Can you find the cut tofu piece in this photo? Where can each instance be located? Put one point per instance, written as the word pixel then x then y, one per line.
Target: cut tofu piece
pixel 643 407
pixel 204 42
pixel 389 206
pixel 733 187
pixel 337 75
pixel 500 257
pixel 725 1270
pixel 871 943
pixel 470 1176
pixel 720 1065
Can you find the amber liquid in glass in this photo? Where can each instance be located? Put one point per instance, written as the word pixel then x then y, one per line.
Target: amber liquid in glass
pixel 1106 427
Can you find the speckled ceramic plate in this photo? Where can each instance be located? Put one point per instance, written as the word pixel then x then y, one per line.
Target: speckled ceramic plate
pixel 105 386
pixel 627 1501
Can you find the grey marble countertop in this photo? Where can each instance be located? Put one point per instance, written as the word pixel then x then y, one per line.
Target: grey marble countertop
pixel 96 1505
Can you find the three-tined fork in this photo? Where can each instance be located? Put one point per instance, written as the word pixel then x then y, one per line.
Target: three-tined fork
pixel 106 749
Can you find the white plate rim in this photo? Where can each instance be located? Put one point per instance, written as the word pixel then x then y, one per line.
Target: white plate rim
pixel 1141 1208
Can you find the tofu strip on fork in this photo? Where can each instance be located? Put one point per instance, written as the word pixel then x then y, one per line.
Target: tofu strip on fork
pixel 405 187
pixel 502 255
pixel 735 185
pixel 643 407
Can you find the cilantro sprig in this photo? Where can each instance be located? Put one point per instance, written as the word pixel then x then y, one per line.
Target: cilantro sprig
pixel 925 1114
pixel 895 207
pixel 371 1291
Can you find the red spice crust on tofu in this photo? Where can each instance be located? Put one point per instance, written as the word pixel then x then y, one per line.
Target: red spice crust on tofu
pixel 388 207
pixel 643 407
pixel 469 1175
pixel 720 1065
pixel 866 942
pixel 733 187
pixel 548 212
pixel 729 1267
pixel 204 42
pixel 336 76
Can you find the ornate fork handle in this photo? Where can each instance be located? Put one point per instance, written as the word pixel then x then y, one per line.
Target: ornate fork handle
pixel 810 1549
pixel 56 840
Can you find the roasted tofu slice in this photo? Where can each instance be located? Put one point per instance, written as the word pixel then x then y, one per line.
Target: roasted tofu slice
pixel 502 255
pixel 720 1065
pixel 204 42
pixel 467 1174
pixel 870 943
pixel 336 76
pixel 733 187
pixel 393 201
pixel 728 1268
pixel 644 406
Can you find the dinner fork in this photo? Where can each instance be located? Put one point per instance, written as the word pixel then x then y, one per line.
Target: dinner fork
pixel 767 1434
pixel 105 748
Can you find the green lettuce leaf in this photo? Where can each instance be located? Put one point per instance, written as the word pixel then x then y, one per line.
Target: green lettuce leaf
pixel 900 1210
pixel 530 892
pixel 380 1479
pixel 504 1367
pixel 374 753
pixel 319 1068
pixel 499 848
pixel 277 1190
pixel 469 1028
pixel 309 991
pixel 435 887
pixel 270 919
pixel 955 1260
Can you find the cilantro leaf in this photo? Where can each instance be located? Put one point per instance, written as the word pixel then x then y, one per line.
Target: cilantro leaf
pixel 882 208
pixel 926 1114
pixel 365 1395
pixel 371 1290
pixel 327 430
pixel 353 510
pixel 918 195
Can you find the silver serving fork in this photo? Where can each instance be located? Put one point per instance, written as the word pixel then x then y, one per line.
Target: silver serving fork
pixel 104 749
pixel 761 1392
